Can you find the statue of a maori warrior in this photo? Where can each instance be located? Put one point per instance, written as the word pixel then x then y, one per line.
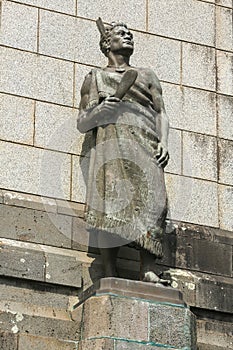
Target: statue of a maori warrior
pixel 126 196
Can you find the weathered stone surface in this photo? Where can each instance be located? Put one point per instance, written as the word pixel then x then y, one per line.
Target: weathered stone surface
pixel 224 28
pixel 63 270
pixel 22 263
pixel 215 335
pixel 8 341
pixel 29 201
pixel 184 21
pixel 192 200
pixel 56 5
pixel 36 76
pixel 41 326
pixel 19 26
pixel 34 170
pixel 200 156
pixel 28 342
pixel 227 3
pixel 70 208
pixel 199 66
pixel 56 128
pixel 226 207
pixel 225 72
pixel 134 12
pixel 97 344
pixel 202 346
pixel 225 120
pixel 115 317
pixel 16 122
pixel 79 178
pixel 171 326
pixel 226 164
pixel 163 56
pixel 68 39
pixel 190 109
pixel 174 149
pixel 121 345
pixel 35 226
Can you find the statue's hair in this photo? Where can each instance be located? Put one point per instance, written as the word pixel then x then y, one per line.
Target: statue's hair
pixel 105 41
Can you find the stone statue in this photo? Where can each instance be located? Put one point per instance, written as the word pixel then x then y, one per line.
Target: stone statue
pixel 126 196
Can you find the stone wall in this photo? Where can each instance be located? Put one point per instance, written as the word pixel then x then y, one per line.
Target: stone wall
pixel 47 47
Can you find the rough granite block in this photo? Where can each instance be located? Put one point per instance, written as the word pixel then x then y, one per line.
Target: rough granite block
pixel 225 120
pixel 56 5
pixel 62 29
pixel 227 3
pixel 190 109
pixel 79 178
pixel 19 26
pixel 182 19
pixel 35 76
pixel 170 326
pixel 22 263
pixel 8 341
pixel 36 171
pixel 225 160
pixel 35 226
pixel 162 55
pixel 17 118
pixel 224 28
pixel 174 149
pixel 117 317
pixel 200 156
pixel 65 270
pixel 225 72
pixel 133 14
pixel 226 207
pixel 192 200
pixel 198 66
pixel 56 128
pixel 29 342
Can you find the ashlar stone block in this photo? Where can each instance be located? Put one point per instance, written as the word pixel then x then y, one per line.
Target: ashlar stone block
pixel 225 160
pixel 16 119
pixel 36 171
pixel 225 120
pixel 227 3
pixel 79 178
pixel 198 66
pixel 224 28
pixel 19 26
pixel 200 156
pixel 28 342
pixel 56 5
pixel 190 109
pixel 226 207
pixel 162 55
pixel 30 75
pixel 188 20
pixel 225 72
pixel 133 13
pixel 8 341
pixel 192 200
pixel 56 128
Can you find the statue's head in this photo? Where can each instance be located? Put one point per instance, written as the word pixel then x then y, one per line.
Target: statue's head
pixel 119 39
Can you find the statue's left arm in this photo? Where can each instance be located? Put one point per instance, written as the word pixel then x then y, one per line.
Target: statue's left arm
pixel 156 91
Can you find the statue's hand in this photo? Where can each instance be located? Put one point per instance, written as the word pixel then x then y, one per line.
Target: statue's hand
pixel 162 155
pixel 108 105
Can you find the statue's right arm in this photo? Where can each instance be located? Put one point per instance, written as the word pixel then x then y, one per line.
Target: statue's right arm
pixel 85 117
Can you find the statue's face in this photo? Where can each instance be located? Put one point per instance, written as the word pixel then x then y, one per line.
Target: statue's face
pixel 121 41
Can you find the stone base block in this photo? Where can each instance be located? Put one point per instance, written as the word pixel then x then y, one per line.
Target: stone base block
pixel 119 316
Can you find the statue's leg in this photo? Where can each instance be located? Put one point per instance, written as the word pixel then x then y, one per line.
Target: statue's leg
pixel 147 270
pixel 108 252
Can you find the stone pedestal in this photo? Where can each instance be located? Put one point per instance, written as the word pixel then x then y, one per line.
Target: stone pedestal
pixel 122 314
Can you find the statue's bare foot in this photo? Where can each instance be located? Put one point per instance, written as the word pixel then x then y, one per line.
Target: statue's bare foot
pixel 151 276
